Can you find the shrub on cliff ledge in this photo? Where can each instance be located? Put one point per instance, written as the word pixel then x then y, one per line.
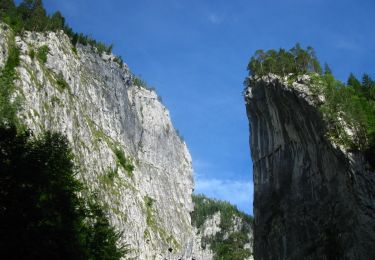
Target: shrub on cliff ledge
pixel 124 161
pixel 42 53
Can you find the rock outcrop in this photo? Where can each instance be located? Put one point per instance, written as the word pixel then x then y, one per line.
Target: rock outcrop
pixel 124 143
pixel 312 198
pixel 222 230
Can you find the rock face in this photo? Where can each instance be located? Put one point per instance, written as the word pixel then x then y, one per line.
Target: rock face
pixel 113 126
pixel 312 200
pixel 211 233
pixel 222 230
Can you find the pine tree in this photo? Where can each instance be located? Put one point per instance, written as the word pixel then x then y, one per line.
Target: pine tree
pixel 314 64
pixel 6 6
pixel 354 82
pixel 327 69
pixel 368 87
pixel 367 82
pixel 57 22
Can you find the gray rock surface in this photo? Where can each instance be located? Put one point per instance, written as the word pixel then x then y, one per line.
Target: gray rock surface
pixel 91 99
pixel 222 230
pixel 209 232
pixel 312 200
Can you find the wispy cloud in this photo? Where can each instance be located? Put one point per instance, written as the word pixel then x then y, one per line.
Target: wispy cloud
pixel 239 193
pixel 209 180
pixel 215 18
pixel 201 165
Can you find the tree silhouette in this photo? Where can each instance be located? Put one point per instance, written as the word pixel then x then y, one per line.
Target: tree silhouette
pixel 41 215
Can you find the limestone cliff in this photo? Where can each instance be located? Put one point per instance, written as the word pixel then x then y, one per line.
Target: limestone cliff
pixel 312 198
pixel 224 232
pixel 123 140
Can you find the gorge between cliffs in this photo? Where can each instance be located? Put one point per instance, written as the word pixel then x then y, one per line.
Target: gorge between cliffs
pixel 92 167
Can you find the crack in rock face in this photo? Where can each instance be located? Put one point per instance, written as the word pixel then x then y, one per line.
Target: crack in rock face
pixel 311 199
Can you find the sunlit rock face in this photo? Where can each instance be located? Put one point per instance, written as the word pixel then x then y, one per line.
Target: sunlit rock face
pixel 312 199
pixel 91 99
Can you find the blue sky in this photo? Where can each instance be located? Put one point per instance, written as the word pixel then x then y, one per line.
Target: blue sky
pixel 195 53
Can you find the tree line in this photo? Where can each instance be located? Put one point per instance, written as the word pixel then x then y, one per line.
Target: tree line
pixel 30 15
pixel 353 102
pixel 282 62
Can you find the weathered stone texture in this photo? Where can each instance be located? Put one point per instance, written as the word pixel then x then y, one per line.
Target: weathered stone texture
pixel 312 200
pixel 91 99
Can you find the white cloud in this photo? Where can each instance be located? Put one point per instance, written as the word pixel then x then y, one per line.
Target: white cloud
pixel 239 193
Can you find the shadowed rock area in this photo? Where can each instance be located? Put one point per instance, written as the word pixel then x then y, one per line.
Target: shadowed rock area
pixel 312 199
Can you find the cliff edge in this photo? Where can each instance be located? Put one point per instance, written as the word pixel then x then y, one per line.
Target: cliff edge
pixel 313 199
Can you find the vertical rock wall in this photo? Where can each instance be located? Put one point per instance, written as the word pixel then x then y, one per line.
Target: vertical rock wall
pixel 111 124
pixel 312 200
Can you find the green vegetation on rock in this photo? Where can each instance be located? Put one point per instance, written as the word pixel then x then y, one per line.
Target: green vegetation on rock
pixel 149 211
pixel 138 81
pixel 32 53
pixel 108 178
pixel 9 106
pixel 351 107
pixel 348 109
pixel 31 15
pixel 227 243
pixel 153 225
pixel 124 161
pixel 42 53
pixel 282 62
pixel 61 83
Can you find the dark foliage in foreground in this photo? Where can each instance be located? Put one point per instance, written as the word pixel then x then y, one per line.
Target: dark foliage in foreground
pixel 41 214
